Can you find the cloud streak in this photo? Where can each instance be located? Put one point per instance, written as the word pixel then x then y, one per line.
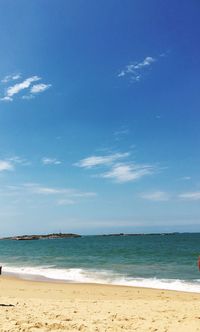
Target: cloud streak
pixel 6 166
pixel 64 202
pixel 54 195
pixel 12 77
pixel 135 70
pixel 38 88
pixel 190 196
pixel 116 168
pixel 50 161
pixel 34 188
pixel 156 196
pixel 94 161
pixel 164 196
pixel 15 89
pixel 126 172
pixel 27 84
pixel 18 160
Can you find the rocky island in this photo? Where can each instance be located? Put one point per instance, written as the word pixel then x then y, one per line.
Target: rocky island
pixel 42 237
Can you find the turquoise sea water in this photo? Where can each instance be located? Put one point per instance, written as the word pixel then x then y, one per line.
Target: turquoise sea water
pixel 168 262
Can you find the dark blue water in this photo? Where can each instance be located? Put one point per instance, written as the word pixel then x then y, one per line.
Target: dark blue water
pixel 161 261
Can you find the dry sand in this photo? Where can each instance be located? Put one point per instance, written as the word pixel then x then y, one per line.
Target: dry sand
pixel 44 306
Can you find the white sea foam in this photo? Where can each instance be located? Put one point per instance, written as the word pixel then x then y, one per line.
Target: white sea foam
pixel 101 277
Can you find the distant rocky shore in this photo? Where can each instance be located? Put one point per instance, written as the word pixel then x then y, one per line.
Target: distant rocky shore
pixel 139 234
pixel 71 235
pixel 41 237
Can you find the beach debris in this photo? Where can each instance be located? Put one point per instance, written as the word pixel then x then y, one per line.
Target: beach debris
pixel 6 305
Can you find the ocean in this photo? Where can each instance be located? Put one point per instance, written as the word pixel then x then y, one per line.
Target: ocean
pixel 153 261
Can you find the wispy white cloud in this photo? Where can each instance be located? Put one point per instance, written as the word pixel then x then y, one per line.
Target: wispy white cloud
pixel 190 196
pixel 35 188
pixel 186 178
pixel 12 77
pixel 28 97
pixel 34 192
pixel 15 89
pixel 12 90
pixel 156 196
pixel 164 196
pixel 94 161
pixel 37 88
pixel 127 172
pixel 135 70
pixel 50 161
pixel 116 166
pixel 6 166
pixel 6 98
pixel 121 134
pixel 27 84
pixel 63 202
pixel 19 160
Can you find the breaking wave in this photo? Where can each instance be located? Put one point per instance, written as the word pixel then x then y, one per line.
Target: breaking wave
pixel 76 275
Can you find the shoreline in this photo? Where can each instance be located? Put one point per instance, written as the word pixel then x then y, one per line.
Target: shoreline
pixel 146 283
pixel 15 278
pixel 49 283
pixel 28 305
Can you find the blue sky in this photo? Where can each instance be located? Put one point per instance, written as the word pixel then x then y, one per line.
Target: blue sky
pixel 99 116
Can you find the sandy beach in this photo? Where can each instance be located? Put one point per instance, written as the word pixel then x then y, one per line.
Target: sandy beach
pixel 45 306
